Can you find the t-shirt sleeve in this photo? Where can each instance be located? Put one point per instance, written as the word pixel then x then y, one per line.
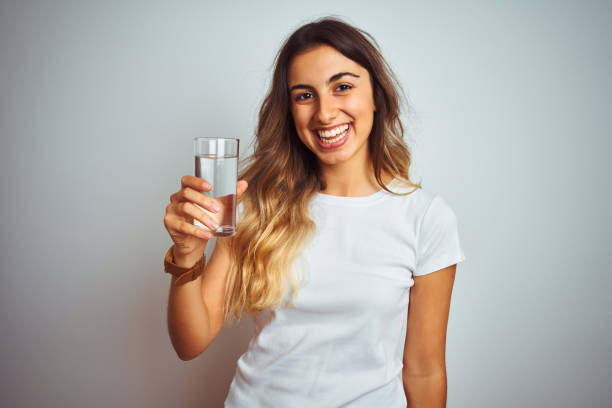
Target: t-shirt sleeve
pixel 438 243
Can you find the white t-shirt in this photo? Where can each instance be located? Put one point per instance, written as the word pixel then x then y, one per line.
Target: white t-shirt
pixel 342 343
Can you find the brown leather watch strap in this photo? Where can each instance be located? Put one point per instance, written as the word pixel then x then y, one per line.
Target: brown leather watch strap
pixel 182 274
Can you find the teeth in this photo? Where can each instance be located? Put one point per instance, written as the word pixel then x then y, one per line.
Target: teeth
pixel 326 134
pixel 334 140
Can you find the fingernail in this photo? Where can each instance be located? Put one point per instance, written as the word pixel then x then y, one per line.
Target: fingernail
pixel 213 225
pixel 205 185
pixel 205 234
pixel 215 207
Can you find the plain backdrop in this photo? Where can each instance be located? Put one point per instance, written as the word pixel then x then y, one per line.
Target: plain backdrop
pixel 509 123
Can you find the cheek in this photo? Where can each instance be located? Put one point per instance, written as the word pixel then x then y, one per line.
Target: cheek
pixel 362 109
pixel 300 122
pixel 362 104
pixel 299 117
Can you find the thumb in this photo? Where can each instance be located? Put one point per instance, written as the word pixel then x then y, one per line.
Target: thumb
pixel 241 186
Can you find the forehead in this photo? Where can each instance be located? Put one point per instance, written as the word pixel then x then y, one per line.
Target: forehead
pixel 318 64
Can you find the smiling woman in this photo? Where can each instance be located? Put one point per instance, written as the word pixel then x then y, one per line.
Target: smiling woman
pixel 344 264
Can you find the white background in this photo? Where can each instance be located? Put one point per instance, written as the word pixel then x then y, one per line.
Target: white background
pixel 100 100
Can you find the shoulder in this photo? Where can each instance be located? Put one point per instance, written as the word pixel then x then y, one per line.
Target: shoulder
pixel 437 216
pixel 438 207
pixel 425 209
pixel 416 200
pixel 437 235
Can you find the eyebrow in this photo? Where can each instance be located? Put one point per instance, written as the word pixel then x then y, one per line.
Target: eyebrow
pixel 331 79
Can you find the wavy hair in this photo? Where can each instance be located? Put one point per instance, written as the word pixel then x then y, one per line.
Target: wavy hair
pixel 283 174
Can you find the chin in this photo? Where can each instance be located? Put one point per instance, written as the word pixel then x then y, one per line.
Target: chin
pixel 333 159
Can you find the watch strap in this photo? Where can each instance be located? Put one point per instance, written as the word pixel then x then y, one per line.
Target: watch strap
pixel 182 275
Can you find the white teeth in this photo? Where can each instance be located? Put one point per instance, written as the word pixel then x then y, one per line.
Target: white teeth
pixel 333 132
pixel 334 140
pixel 327 137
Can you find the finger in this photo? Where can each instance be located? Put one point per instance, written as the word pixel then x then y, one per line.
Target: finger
pixel 196 183
pixel 175 211
pixel 202 200
pixel 193 211
pixel 189 194
pixel 241 186
pixel 177 224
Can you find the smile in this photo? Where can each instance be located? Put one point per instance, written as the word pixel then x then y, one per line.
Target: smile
pixel 333 135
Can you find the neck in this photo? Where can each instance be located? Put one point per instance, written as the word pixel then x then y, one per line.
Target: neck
pixel 350 181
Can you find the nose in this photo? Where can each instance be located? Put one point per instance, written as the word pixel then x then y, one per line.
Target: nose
pixel 327 109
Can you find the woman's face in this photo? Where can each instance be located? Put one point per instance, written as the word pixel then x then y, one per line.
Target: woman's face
pixel 332 104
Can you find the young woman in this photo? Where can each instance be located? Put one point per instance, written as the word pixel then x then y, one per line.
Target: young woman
pixel 345 265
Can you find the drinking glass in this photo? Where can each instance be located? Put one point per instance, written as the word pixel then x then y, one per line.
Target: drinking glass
pixel 216 161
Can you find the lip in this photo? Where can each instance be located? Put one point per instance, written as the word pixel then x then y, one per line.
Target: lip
pixel 339 143
pixel 325 128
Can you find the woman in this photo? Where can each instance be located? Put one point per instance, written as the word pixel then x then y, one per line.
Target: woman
pixel 345 265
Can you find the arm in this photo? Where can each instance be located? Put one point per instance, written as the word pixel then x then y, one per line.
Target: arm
pixel 195 309
pixel 424 372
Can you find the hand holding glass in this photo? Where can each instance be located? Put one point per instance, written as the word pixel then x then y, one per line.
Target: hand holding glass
pixel 216 161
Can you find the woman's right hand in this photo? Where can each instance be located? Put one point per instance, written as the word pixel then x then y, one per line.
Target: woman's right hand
pixel 180 213
pixel 190 241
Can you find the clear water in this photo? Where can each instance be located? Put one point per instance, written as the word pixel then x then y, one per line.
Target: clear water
pixel 222 173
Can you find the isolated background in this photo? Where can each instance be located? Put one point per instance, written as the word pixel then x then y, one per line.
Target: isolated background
pixel 100 100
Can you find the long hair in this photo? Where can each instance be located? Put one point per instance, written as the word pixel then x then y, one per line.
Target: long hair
pixel 283 174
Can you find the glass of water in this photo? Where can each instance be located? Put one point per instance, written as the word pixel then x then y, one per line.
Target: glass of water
pixel 216 161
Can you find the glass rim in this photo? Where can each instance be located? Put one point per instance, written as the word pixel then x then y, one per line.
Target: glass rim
pixel 215 138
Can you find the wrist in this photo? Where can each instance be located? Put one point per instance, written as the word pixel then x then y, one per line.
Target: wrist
pixel 184 271
pixel 186 260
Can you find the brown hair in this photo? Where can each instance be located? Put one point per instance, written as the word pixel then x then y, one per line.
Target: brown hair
pixel 283 175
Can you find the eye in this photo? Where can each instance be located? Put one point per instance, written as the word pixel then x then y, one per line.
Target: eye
pixel 344 87
pixel 303 96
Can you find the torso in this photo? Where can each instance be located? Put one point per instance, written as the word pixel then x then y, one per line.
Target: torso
pixel 341 343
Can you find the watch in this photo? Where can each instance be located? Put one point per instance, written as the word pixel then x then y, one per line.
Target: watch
pixel 183 274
